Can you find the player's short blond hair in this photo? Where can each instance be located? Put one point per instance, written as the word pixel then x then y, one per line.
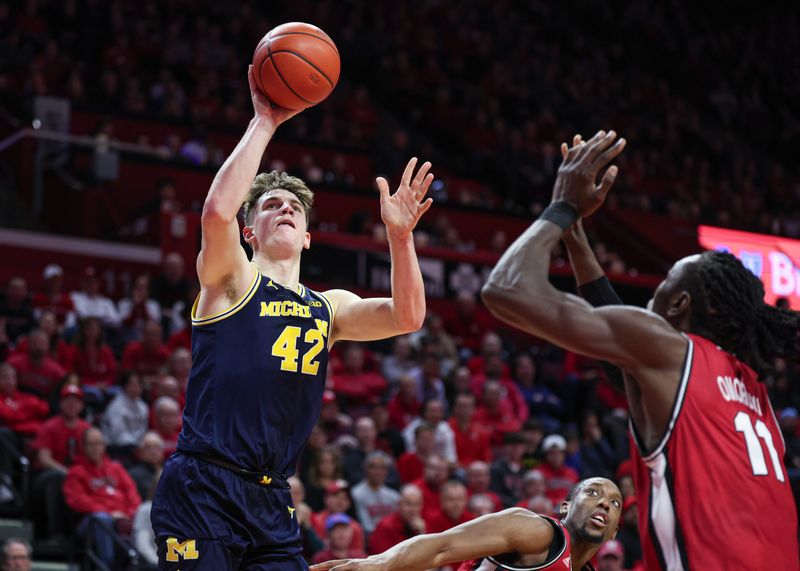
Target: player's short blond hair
pixel 268 181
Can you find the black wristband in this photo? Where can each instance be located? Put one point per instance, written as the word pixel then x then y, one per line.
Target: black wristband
pixel 560 213
pixel 600 292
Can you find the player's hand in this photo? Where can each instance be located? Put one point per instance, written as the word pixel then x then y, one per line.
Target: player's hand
pixel 402 210
pixel 349 565
pixel 577 175
pixel 575 235
pixel 264 109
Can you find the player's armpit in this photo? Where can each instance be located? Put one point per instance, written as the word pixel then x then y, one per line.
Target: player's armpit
pixel 629 337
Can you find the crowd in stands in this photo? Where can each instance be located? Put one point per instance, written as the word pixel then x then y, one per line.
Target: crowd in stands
pixel 488 89
pixel 416 434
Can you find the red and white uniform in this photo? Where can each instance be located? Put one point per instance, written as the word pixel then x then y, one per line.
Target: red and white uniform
pixel 560 558
pixel 714 493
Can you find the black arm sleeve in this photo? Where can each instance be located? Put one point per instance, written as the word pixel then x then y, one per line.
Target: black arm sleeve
pixel 600 292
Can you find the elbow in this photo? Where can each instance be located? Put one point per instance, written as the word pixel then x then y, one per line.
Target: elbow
pixel 213 214
pixel 495 299
pixel 409 323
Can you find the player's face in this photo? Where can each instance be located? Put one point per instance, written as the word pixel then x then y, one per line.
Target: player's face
pixel 279 225
pixel 663 297
pixel 593 515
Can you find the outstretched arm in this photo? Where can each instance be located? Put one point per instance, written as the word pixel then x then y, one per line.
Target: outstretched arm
pixel 377 318
pixel 514 529
pixel 519 292
pixel 221 258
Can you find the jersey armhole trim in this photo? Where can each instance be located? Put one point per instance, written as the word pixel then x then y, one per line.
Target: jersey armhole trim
pixel 329 305
pixel 558 533
pixel 676 409
pixel 239 304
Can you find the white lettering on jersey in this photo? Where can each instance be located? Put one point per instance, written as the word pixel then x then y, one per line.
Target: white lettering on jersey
pixel 733 389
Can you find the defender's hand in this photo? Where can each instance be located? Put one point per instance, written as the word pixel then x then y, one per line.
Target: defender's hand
pixel 402 210
pixel 577 175
pixel 262 107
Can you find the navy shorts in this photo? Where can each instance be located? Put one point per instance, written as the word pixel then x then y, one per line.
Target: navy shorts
pixel 207 517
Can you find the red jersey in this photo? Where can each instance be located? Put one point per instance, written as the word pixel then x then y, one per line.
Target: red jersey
pixel 559 558
pixel 714 493
pixel 64 442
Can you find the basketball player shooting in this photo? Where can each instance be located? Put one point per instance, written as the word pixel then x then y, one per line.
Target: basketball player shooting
pixel 512 540
pixel 260 343
pixel 712 487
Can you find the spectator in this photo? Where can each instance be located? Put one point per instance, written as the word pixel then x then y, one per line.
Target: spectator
pixel 496 413
pixel 60 351
pixel 452 508
pixel 148 356
pixel 507 473
pixel 479 504
pixel 628 534
pixel 144 540
pixel 359 386
pixel 478 482
pixel 373 499
pixel 125 420
pixel 57 445
pixel 171 290
pixel 433 478
pixel 16 309
pixel 166 387
pixel 411 465
pixel 326 468
pixel 534 485
pixel 354 459
pixel 532 434
pixel 17 555
pixel 340 540
pixel 167 422
pixel 598 458
pixel 472 440
pixel 89 302
pixel 100 489
pixel 23 413
pixel 493 371
pixel 444 442
pixel 625 479
pixel 92 359
pixel 37 372
pixel 52 298
pixel 312 543
pixel 433 334
pixel 542 402
pixel 400 362
pixel 404 406
pixel 138 309
pixel 611 556
pixel 560 477
pixel 337 501
pixel 430 385
pixel 404 524
pixel 333 422
pixel 491 346
pixel 467 324
pixel 179 367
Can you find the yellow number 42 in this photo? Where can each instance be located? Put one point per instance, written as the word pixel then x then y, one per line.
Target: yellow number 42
pixel 285 347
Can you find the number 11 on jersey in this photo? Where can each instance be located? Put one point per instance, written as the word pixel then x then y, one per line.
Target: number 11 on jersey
pixel 758 462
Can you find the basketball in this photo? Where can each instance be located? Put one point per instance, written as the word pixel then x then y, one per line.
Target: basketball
pixel 296 65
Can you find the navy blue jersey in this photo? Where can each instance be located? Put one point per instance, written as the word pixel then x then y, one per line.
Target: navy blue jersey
pixel 258 375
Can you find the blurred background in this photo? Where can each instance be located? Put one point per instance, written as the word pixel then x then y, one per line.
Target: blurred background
pixel 115 115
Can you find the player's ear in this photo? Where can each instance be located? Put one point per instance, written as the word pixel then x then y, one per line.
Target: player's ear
pixel 564 509
pixel 248 234
pixel 307 241
pixel 679 303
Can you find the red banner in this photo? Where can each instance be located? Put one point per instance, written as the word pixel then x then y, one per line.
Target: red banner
pixel 772 258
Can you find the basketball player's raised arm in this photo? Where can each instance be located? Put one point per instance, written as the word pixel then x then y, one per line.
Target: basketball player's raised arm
pixel 221 258
pixel 514 529
pixel 518 290
pixel 368 319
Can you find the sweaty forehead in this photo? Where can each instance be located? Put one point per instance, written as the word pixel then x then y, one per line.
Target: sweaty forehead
pixel 609 486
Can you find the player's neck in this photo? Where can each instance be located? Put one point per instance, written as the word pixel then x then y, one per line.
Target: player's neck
pixel 284 271
pixel 582 551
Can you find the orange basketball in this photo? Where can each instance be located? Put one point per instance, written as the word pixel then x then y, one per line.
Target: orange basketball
pixel 296 65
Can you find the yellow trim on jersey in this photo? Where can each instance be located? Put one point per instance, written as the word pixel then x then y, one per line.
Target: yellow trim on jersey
pixel 329 305
pixel 301 290
pixel 219 316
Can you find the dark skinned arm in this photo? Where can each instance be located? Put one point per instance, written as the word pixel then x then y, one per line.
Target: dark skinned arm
pixel 514 529
pixel 519 293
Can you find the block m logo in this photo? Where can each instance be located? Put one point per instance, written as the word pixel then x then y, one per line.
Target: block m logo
pixel 177 550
